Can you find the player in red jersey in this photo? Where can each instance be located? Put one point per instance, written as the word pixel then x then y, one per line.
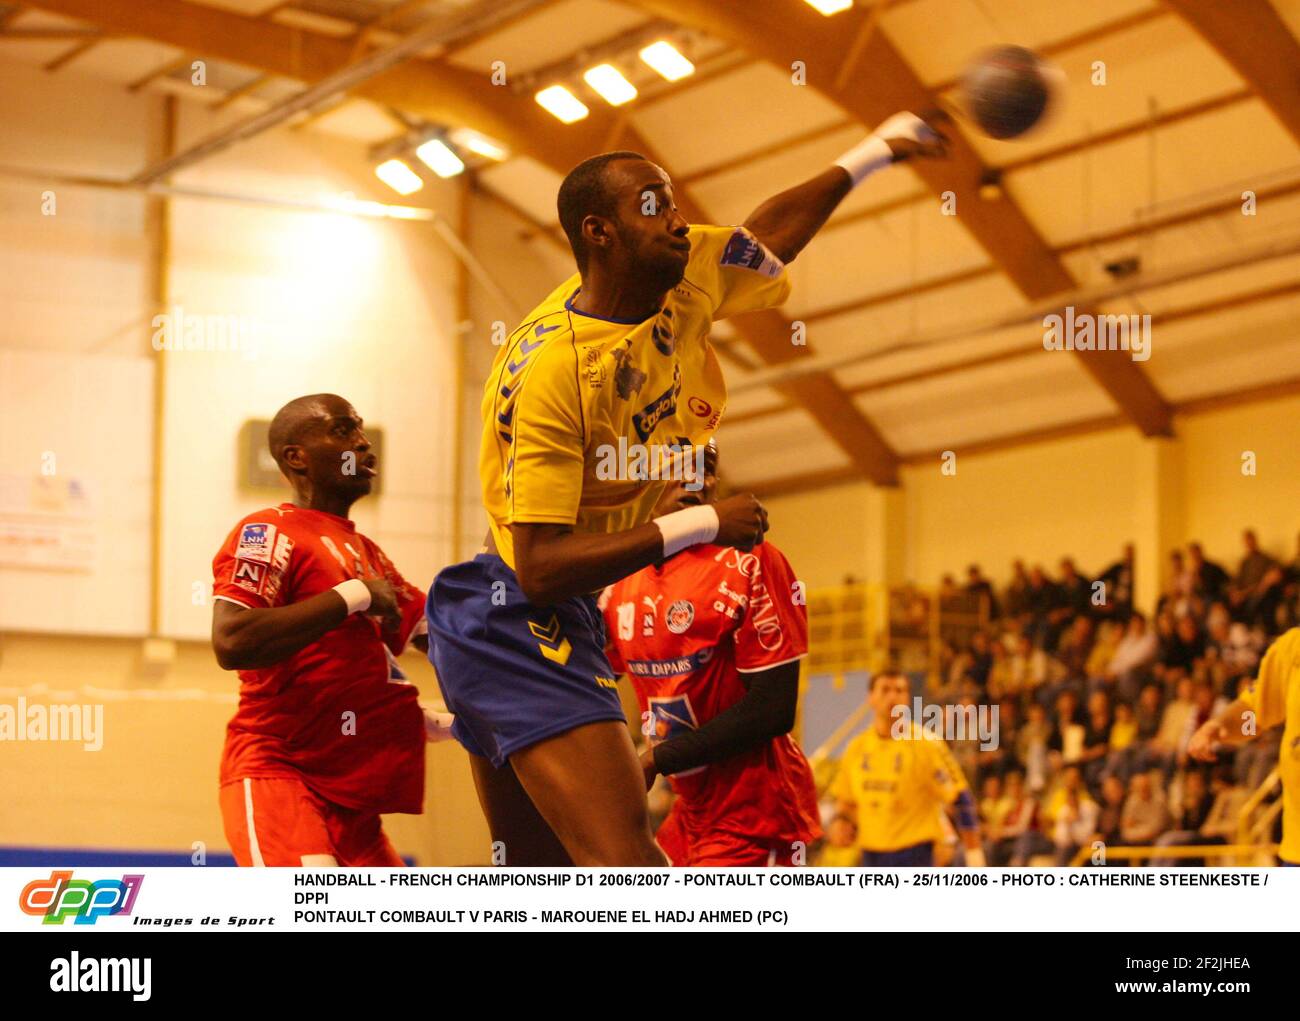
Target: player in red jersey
pixel 711 639
pixel 328 733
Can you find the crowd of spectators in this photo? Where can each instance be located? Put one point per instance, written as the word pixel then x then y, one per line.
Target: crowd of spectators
pixel 1097 702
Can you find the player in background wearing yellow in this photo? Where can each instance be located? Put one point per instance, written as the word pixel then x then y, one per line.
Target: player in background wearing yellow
pixel 1271 698
pixel 895 780
pixel 616 361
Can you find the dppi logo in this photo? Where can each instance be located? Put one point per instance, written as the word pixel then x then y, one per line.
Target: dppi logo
pixel 61 896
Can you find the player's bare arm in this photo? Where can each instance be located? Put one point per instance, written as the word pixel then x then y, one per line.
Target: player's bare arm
pixel 250 638
pixel 766 711
pixel 786 222
pixel 1230 727
pixel 554 563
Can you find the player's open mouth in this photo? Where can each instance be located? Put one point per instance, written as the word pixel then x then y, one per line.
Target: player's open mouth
pixel 370 468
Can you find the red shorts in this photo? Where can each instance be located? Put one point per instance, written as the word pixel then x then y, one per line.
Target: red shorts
pixel 721 849
pixel 279 821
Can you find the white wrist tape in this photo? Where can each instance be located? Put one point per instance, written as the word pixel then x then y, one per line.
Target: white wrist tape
pixel 873 152
pixel 355 594
pixel 688 527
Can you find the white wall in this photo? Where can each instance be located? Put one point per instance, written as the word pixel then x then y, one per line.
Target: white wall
pixel 75 379
pixel 363 308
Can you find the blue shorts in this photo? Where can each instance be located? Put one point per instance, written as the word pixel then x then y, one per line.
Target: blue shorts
pixel 513 673
pixel 904 857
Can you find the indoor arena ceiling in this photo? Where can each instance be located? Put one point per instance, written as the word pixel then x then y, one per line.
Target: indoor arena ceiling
pixel 1131 197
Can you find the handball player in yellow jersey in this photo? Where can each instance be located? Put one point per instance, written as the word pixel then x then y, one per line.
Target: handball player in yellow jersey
pixel 1271 698
pixel 607 382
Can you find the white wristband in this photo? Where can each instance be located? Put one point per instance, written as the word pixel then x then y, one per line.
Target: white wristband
pixel 688 527
pixel 873 152
pixel 355 594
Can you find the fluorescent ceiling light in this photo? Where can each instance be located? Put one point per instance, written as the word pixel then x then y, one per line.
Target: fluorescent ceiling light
pixel 398 176
pixel 829 7
pixel 608 80
pixel 438 157
pixel 665 58
pixel 560 102
pixel 480 145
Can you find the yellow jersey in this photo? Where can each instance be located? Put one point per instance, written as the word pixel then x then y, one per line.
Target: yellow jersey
pixel 582 413
pixel 1274 696
pixel 900 786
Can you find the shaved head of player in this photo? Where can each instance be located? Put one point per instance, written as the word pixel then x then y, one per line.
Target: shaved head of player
pixel 628 257
pixel 607 372
pixel 322 450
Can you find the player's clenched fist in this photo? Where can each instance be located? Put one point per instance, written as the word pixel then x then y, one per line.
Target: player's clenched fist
pixel 742 520
pixel 383 603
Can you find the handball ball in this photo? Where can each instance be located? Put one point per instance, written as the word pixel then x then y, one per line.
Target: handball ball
pixel 1008 89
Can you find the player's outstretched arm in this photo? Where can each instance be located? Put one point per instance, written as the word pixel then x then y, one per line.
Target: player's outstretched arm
pixel 1230 727
pixel 786 222
pixel 767 710
pixel 554 563
pixel 249 638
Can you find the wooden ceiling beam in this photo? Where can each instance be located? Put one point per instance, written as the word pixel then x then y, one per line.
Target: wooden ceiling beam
pixel 872 85
pixel 456 97
pixel 1252 37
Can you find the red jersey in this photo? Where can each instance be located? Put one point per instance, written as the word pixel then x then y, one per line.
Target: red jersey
pixel 338 714
pixel 684 633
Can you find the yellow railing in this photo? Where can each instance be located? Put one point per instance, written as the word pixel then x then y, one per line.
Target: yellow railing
pixel 1246 851
pixel 1251 847
pixel 862 626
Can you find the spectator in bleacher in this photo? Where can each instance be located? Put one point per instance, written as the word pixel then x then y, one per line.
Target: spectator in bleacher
pixel 1065 743
pixel 1178 587
pixel 949 593
pixel 1208 578
pixel 991 806
pixel 980 587
pixel 1185 647
pixel 1257 588
pixel 1002 681
pixel 1031 746
pixel 981 660
pixel 1096 739
pixel 1074 647
pixel 1220 826
pixel 1076 591
pixel 1170 741
pixel 1189 814
pixel 1145 813
pixel 1001 758
pixel 1133 657
pixel 1148 713
pixel 1016 603
pixel 1104 646
pixel 1015 817
pixel 1118 579
pixel 1073 814
pixel 1042 600
pixel 1111 812
pixel 1123 744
